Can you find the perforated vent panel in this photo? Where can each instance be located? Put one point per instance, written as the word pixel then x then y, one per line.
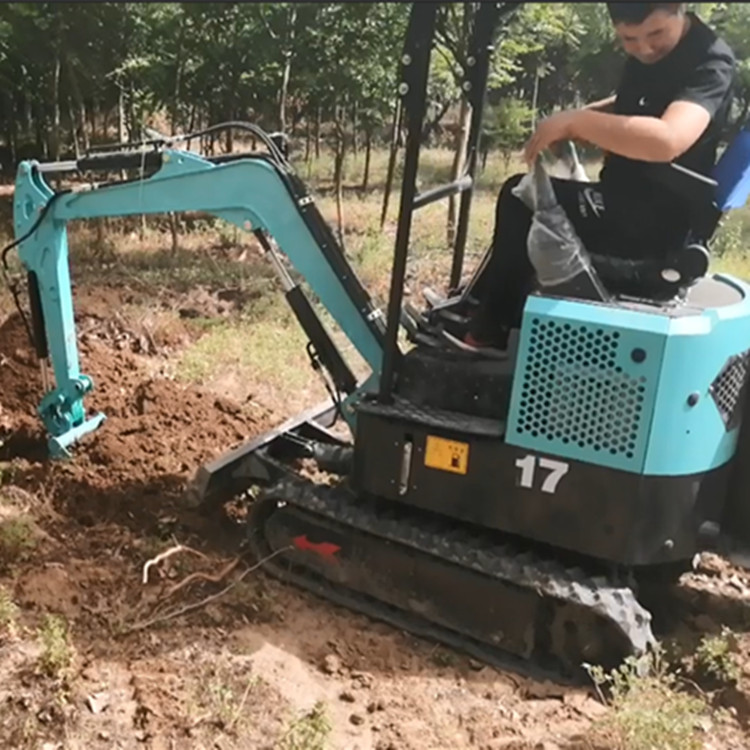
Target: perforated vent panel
pixel 728 388
pixel 575 393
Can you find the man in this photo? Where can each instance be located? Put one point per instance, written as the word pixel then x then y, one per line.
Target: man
pixel 671 105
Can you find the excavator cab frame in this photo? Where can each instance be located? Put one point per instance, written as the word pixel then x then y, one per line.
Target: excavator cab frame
pixel 412 89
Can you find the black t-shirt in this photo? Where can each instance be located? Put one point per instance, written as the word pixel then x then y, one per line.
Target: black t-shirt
pixel 699 69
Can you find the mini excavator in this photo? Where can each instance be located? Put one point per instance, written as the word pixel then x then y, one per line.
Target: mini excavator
pixel 513 505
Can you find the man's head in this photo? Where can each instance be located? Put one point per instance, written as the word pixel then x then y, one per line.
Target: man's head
pixel 649 31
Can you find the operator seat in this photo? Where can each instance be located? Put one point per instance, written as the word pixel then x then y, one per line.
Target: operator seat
pixel 710 198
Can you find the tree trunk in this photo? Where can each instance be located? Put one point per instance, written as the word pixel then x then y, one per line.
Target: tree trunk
pixel 318 118
pixel 92 110
pixel 338 172
pixel 175 108
pixel 79 122
pixel 535 99
pixel 368 150
pixel 462 133
pixel 308 140
pixel 74 129
pixel 391 161
pixel 121 114
pixel 288 53
pixel 174 231
pixel 54 146
pixel 355 135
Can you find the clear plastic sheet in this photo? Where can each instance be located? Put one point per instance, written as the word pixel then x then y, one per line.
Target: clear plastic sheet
pixel 555 250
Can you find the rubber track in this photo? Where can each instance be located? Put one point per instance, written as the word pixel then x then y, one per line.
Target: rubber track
pixel 462 547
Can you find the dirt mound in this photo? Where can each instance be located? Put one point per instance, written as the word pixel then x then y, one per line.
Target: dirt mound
pixel 156 434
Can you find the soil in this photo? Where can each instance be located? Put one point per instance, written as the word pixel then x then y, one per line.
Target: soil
pixel 239 670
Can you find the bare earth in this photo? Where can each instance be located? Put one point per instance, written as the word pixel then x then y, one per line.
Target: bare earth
pixel 238 671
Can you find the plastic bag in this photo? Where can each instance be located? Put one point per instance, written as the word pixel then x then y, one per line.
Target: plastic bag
pixel 555 250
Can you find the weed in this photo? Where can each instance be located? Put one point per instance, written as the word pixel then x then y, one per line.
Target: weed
pixel 224 695
pixel 308 732
pixel 716 658
pixel 649 709
pixel 57 651
pixel 8 613
pixel 16 539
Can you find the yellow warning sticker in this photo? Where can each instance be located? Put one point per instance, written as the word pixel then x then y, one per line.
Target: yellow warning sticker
pixel 446 455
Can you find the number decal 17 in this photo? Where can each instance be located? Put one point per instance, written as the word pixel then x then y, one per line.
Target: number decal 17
pixel 556 470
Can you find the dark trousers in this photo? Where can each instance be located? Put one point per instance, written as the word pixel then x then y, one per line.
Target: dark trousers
pixel 508 276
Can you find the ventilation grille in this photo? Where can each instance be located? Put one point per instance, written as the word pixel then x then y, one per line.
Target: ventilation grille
pixel 728 388
pixel 574 392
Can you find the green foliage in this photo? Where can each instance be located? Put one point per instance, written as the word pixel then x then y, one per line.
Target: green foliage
pixel 716 657
pixel 309 732
pixel 17 539
pixel 507 126
pixel 650 711
pixel 57 651
pixel 8 613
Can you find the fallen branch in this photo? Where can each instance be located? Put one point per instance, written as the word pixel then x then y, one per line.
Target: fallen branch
pixel 203 602
pixel 168 553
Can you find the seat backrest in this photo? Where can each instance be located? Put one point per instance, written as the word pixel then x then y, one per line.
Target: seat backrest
pixel 732 173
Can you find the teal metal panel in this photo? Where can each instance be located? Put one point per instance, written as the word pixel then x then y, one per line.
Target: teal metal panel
pixel 586 382
pixel 702 372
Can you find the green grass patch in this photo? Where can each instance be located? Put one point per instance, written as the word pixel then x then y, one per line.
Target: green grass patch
pixel 651 708
pixel 308 732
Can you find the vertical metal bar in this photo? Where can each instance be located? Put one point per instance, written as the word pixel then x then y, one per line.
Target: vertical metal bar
pixel 415 66
pixel 481 48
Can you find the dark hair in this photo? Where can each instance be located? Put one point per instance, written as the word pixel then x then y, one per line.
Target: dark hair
pixel 635 13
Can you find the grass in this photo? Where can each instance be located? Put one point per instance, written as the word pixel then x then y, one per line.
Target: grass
pixel 716 658
pixel 9 612
pixel 307 732
pixel 224 695
pixel 56 657
pixel 650 708
pixel 17 539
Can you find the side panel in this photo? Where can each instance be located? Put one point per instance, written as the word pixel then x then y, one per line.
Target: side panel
pixel 598 511
pixel 697 409
pixel 586 382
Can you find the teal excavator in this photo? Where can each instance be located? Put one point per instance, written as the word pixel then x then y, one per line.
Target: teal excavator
pixel 514 506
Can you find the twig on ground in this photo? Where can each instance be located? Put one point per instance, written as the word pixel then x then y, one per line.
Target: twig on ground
pixel 203 602
pixel 168 553
pixel 223 573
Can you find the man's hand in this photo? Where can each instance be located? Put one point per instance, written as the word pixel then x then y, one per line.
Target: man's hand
pixel 556 128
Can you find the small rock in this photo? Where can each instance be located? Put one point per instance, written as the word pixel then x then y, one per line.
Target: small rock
pixel 331 664
pixel 106 736
pixel 362 679
pixel 347 697
pixel 546 746
pixel 374 706
pixel 97 702
pixel 356 719
pixel 477 666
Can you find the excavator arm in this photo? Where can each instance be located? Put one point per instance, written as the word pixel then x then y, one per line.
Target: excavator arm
pixel 255 193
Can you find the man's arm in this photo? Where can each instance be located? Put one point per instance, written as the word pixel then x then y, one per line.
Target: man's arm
pixel 633 136
pixel 603 105
pixel 644 138
pixel 641 137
